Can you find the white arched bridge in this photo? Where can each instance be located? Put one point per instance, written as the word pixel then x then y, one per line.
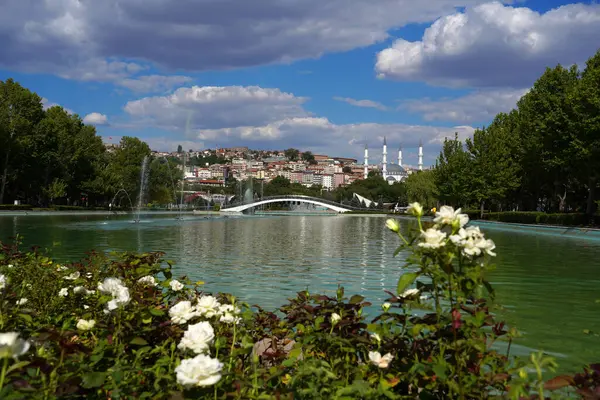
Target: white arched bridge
pixel 332 205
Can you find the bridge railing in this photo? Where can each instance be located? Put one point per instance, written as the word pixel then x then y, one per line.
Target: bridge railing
pixel 296 197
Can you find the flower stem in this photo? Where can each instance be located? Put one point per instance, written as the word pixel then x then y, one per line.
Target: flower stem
pixel 3 374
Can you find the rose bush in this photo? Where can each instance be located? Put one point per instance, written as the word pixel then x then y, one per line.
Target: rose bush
pixel 121 327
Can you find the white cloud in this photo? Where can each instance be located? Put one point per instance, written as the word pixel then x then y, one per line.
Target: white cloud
pixel 198 34
pixel 475 107
pixel 494 45
pixel 154 83
pixel 46 104
pixel 362 103
pixel 269 118
pixel 213 107
pixel 95 119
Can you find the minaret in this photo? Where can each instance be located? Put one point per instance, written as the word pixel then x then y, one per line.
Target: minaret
pixel 400 155
pixel 420 155
pixel 384 167
pixel 366 161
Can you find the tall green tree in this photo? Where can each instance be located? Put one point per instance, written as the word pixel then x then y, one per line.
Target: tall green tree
pixel 421 187
pixel 292 154
pixel 20 112
pixel 452 174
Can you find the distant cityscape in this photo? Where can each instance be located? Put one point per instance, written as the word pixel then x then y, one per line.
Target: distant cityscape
pixel 215 167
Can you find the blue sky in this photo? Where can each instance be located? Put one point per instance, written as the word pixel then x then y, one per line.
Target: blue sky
pixel 327 77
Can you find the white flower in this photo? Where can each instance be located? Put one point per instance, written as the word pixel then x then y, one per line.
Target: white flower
pixel 176 286
pixel 3 281
pixel 385 307
pixel 380 361
pixel 472 242
pixel 73 276
pixel 85 325
pixel 376 337
pixel 89 275
pixel 197 338
pixel 335 318
pixel 147 280
pixel 208 306
pixel 393 225
pixel 12 346
pixel 85 306
pixel 82 290
pixel 60 268
pixel 447 216
pixel 228 308
pixel 199 371
pixel 10 266
pixel 410 293
pixel 432 239
pixel 64 292
pixel 229 318
pixel 22 301
pixel 117 290
pixel 415 209
pixel 182 312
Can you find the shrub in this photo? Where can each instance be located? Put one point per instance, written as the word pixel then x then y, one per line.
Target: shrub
pixel 532 217
pixel 124 327
pixel 14 207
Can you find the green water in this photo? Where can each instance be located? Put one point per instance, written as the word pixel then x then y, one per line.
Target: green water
pixel 548 283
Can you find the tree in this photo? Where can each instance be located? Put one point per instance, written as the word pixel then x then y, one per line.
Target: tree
pixel 452 173
pixel 291 154
pixel 584 104
pixel 421 187
pixel 494 163
pixel 56 189
pixel 179 149
pixel 308 156
pixel 20 111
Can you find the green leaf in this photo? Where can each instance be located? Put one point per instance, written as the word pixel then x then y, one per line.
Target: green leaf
pixel 16 366
pixel 157 312
pixel 93 379
pixel 26 317
pixel 405 281
pixel 356 299
pixel 138 341
pixel 398 250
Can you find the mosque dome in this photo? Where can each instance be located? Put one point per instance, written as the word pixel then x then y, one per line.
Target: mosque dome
pixel 395 169
pixel 390 179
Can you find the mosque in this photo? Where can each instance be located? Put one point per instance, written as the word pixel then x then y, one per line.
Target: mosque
pixel 394 172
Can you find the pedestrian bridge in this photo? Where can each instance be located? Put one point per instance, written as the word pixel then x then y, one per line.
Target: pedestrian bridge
pixel 331 205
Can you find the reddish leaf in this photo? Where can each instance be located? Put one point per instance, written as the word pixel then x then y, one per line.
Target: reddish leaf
pixel 559 382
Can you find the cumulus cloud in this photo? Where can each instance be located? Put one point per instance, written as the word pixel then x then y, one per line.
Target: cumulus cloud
pixel 475 107
pixel 362 103
pixel 213 107
pixel 198 34
pixel 494 45
pixel 95 119
pixel 270 118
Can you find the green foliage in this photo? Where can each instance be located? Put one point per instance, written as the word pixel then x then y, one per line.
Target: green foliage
pixel 292 154
pixel 543 155
pixel 421 188
pixel 51 156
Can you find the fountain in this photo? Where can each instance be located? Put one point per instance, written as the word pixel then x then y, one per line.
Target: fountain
pixel 249 196
pixel 172 184
pixel 112 202
pixel 143 187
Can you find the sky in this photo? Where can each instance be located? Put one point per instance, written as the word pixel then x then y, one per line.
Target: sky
pixel 326 76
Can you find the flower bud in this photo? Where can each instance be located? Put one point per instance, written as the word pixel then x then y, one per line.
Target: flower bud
pixel 385 307
pixel 393 225
pixel 415 209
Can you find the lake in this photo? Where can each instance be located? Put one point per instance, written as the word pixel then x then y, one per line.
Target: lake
pixel 547 283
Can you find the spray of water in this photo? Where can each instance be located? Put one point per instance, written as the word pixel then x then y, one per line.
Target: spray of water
pixel 143 187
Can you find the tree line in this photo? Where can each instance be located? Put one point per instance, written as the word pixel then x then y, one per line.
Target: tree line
pixel 544 155
pixel 51 157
